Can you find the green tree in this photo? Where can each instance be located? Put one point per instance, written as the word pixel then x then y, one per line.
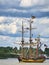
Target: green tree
pixel 47 51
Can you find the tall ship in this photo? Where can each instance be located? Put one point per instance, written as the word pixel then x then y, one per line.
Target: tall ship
pixel 32 54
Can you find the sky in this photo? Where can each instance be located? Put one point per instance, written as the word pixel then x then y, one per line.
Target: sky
pixel 13 12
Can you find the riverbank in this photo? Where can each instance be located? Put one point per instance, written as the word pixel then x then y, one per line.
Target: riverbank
pixel 4 56
pixel 9 52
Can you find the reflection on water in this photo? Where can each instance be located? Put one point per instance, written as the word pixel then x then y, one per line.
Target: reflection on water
pixel 9 61
pixel 46 61
pixel 14 61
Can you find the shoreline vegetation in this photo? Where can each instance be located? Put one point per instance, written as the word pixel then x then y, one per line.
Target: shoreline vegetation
pixel 9 52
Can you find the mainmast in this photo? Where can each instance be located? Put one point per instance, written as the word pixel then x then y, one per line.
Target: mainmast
pixel 30 29
pixel 22 39
pixel 30 33
pixel 30 52
pixel 22 34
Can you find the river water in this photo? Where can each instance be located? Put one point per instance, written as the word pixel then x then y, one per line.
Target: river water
pixel 14 61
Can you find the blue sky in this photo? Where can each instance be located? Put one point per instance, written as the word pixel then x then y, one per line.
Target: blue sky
pixel 13 12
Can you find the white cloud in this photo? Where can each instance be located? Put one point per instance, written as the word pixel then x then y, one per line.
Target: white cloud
pixel 11 28
pixel 7 41
pixel 23 3
pixel 13 25
pixel 2 27
pixel 42 25
pixel 45 32
pixel 4 37
pixel 2 19
pixel 43 20
pixel 38 6
pixel 28 3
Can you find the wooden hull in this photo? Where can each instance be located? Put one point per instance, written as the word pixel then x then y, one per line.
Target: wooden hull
pixel 32 60
pixel 35 61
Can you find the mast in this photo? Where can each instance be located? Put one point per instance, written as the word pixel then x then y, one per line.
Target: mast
pixel 22 34
pixel 22 39
pixel 30 34
pixel 30 52
pixel 31 29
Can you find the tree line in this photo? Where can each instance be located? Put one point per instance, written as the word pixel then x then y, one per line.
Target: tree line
pixel 9 52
